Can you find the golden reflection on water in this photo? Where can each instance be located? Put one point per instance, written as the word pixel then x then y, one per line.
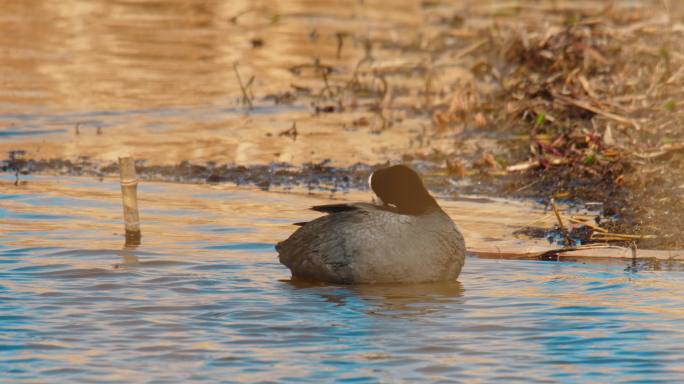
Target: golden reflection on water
pixel 91 55
pixel 156 78
pixel 186 206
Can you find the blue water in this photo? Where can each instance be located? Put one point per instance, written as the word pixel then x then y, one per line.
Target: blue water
pixel 203 299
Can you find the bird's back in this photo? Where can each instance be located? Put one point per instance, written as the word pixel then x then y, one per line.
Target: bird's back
pixel 364 243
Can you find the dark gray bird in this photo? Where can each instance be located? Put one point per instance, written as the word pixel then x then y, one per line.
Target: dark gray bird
pixel 407 239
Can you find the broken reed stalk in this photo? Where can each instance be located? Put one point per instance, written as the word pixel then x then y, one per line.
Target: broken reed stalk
pixel 129 195
pixel 560 222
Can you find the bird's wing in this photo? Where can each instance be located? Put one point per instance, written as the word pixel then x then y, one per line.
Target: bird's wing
pixel 337 208
pixel 334 208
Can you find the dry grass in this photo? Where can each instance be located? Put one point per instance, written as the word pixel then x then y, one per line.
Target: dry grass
pixel 583 98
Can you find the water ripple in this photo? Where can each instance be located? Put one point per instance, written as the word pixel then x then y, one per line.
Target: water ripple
pixel 197 304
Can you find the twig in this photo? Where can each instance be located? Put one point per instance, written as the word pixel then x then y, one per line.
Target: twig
pixel 588 107
pixel 340 42
pixel 292 132
pixel 233 19
pixel 560 222
pixel 14 163
pixel 587 88
pixel 549 160
pixel 523 166
pixel 527 186
pixel 245 95
pixel 324 74
pixel 587 224
pixel 468 50
pixel 428 86
pixel 620 236
pixel 662 151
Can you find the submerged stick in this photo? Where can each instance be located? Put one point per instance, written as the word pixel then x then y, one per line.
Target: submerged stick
pixel 129 195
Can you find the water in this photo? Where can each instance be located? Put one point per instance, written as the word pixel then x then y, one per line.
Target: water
pixel 156 78
pixel 203 299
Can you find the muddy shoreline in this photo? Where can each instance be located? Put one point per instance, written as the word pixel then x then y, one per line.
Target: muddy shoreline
pixel 322 177
pixel 617 208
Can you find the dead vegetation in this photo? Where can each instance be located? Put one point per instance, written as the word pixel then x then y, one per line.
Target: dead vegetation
pixel 595 96
pixel 573 100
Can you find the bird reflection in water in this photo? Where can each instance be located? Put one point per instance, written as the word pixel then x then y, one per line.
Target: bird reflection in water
pixel 391 300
